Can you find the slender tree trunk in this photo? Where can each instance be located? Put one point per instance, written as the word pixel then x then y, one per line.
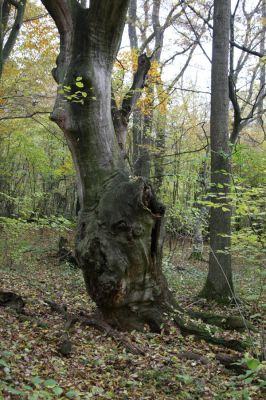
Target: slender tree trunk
pixel 7 47
pixel 219 283
pixel 119 241
pixel 262 68
pixel 136 117
pixel 142 166
pixel 160 145
pixel 136 136
pixel 201 212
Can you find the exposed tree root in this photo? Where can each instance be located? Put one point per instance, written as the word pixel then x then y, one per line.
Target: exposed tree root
pixel 234 322
pixel 231 362
pixel 190 328
pixel 97 322
pixel 189 355
pixel 117 336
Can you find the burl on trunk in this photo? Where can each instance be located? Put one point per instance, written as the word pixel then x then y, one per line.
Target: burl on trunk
pixel 119 239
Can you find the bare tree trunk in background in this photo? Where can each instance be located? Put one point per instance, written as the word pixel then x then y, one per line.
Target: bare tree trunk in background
pixel 219 284
pixel 142 166
pixel 262 68
pixel 7 47
pixel 201 214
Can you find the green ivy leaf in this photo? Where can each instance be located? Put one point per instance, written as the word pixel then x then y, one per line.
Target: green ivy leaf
pixel 50 383
pixel 71 394
pixel 57 390
pixel 79 84
pixel 27 387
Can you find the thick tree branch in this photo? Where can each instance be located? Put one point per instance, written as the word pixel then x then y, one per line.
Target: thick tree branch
pixel 20 6
pixel 237 111
pixel 25 116
pixel 133 94
pixel 248 50
pixel 121 116
pixel 62 12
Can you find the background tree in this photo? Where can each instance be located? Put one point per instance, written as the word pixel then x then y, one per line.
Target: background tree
pixel 219 284
pixel 9 34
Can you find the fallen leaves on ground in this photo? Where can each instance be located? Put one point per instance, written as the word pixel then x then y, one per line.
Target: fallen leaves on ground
pixel 31 367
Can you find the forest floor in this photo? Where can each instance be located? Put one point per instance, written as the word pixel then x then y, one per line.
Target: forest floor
pixel 98 367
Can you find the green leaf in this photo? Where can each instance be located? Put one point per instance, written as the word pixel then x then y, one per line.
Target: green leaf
pixel 249 380
pixel 36 380
pixel 71 394
pixel 50 383
pixel 184 378
pixel 3 363
pixel 67 88
pixel 27 387
pixel 110 395
pixel 13 391
pixel 34 396
pixel 57 390
pixel 80 84
pixel 84 94
pixel 79 78
pixel 7 354
pixel 252 363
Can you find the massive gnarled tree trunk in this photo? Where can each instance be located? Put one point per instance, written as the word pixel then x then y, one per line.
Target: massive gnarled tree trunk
pixel 119 232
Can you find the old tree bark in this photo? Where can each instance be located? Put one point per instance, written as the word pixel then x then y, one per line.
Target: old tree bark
pixel 119 232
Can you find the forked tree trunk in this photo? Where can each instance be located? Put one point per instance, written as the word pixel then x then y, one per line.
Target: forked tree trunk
pixel 119 237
